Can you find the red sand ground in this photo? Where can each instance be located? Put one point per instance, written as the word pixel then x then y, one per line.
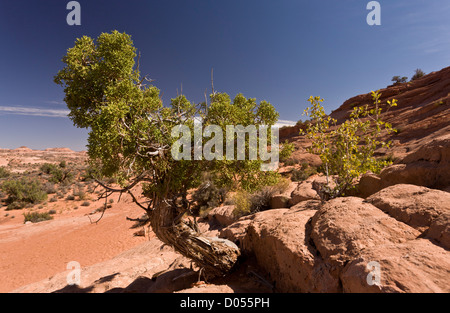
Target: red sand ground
pixel 32 252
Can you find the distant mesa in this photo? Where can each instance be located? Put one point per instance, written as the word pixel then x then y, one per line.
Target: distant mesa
pixel 67 150
pixel 23 149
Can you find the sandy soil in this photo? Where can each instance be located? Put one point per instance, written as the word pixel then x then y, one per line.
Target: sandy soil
pixel 32 252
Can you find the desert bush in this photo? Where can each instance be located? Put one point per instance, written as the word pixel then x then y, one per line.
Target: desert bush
pixel 50 188
pixel 80 193
pixel 4 172
pixel 286 151
pixel 24 190
pixel 86 203
pixel 53 199
pixel 340 150
pixel 70 197
pixel 242 203
pixel 247 203
pixel 398 79
pixel 418 73
pixel 16 205
pixel 57 173
pixel 36 217
pixel 304 173
pixel 47 168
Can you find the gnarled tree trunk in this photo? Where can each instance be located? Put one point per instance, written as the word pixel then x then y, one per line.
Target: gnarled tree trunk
pixel 215 255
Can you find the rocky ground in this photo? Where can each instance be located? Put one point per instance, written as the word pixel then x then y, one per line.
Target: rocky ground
pixel 391 236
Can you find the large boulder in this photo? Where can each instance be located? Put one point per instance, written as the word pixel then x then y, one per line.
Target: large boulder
pixel 427 166
pixel 223 215
pixel 414 266
pixel 427 210
pixel 345 226
pixel 279 239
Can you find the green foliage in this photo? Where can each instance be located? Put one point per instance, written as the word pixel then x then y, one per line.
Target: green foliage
pixel 348 150
pixel 4 172
pixel 249 203
pixel 130 129
pixel 286 151
pixel 58 174
pixel 24 190
pixel 398 79
pixel 16 205
pixel 304 173
pixel 418 73
pixel 36 217
pixel 252 202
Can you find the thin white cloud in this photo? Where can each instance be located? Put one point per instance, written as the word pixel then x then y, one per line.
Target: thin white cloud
pixel 282 123
pixel 55 102
pixel 33 111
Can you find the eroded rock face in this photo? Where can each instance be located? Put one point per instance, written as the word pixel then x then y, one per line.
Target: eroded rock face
pixel 223 214
pixel 427 210
pixel 413 266
pixel 327 247
pixel 280 241
pixel 428 166
pixel 345 226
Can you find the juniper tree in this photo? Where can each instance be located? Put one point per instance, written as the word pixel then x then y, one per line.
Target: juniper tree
pixel 130 138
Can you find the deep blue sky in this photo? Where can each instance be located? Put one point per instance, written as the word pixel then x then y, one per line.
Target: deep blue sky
pixel 281 51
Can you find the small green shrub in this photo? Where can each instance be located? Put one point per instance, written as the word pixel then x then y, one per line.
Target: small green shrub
pixel 16 205
pixel 398 79
pixel 58 174
pixel 36 217
pixel 24 190
pixel 304 173
pixel 70 197
pixel 418 73
pixel 86 203
pixel 286 151
pixel 340 150
pixel 242 204
pixel 81 194
pixel 249 203
pixel 47 168
pixel 4 172
pixel 50 188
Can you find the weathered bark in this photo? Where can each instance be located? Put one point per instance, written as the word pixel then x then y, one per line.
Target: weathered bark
pixel 215 255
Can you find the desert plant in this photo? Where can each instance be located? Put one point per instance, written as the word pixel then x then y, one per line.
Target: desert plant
pixel 247 203
pixel 286 151
pixel 50 188
pixel 16 205
pixel 58 174
pixel 80 193
pixel 36 217
pixel 418 73
pixel 130 138
pixel 24 190
pixel 340 150
pixel 398 79
pixel 4 172
pixel 86 203
pixel 304 173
